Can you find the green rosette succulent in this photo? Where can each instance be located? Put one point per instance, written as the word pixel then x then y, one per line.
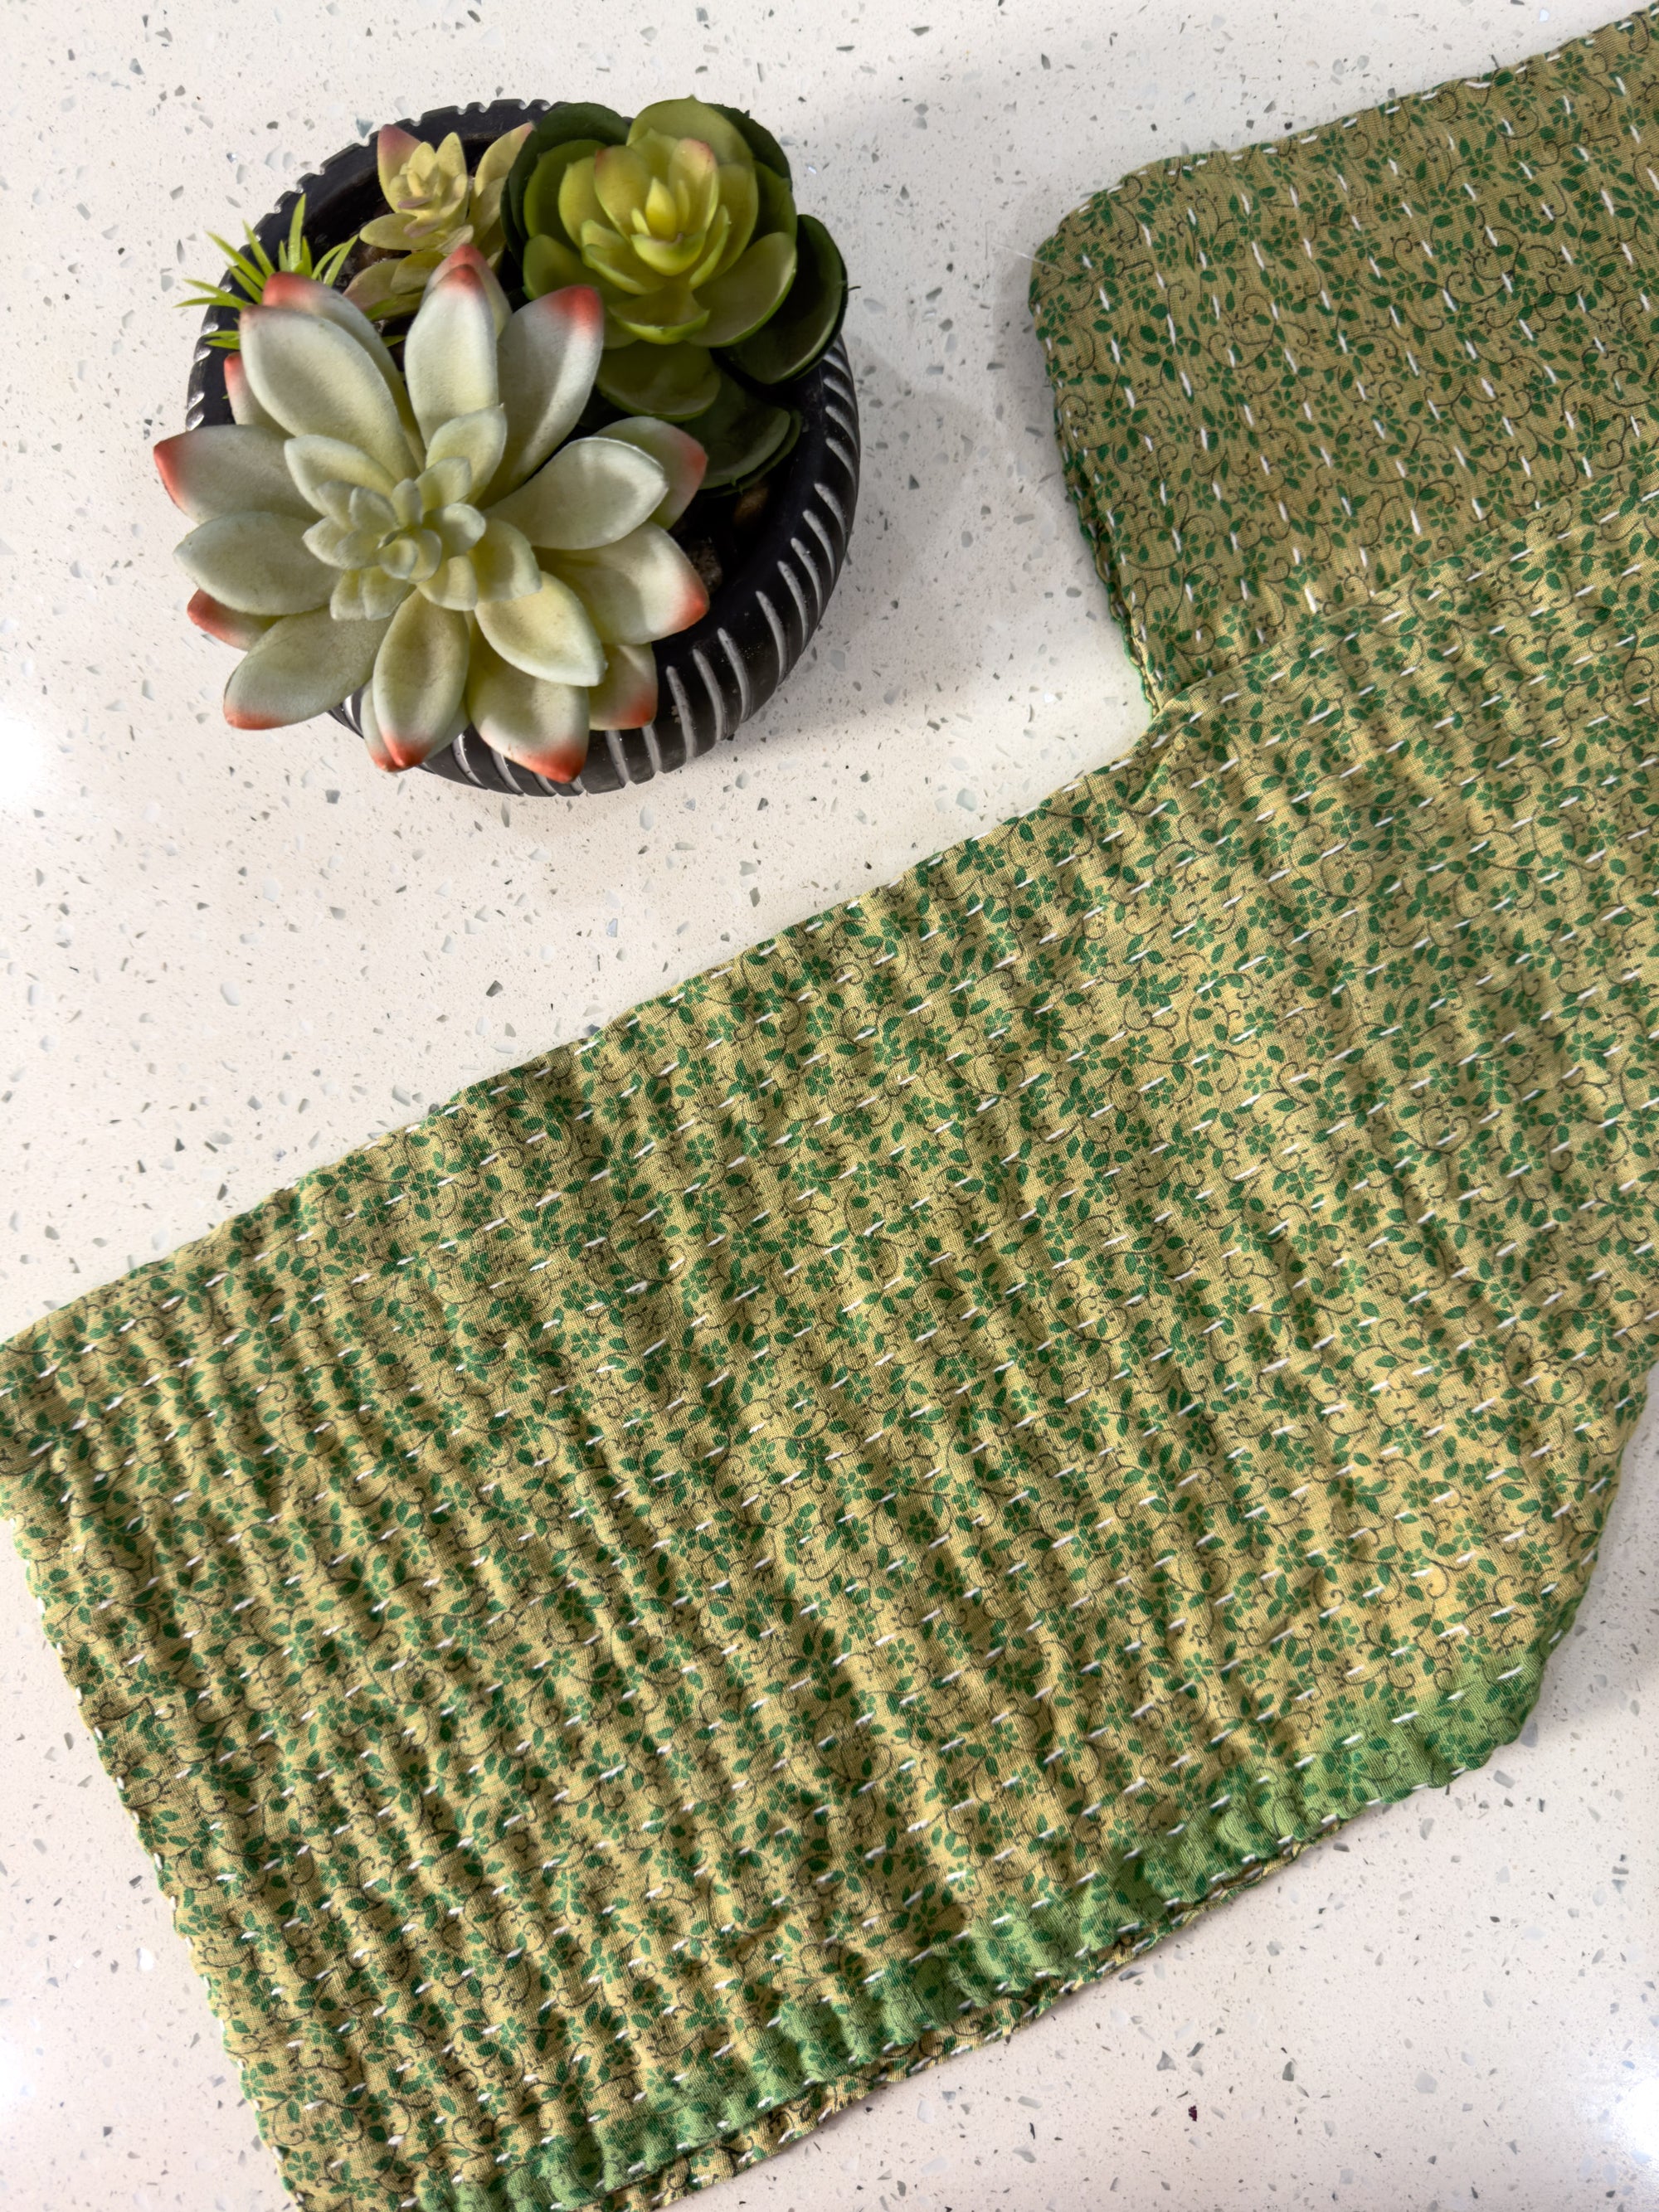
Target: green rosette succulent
pixel 433 207
pixel 432 539
pixel 716 291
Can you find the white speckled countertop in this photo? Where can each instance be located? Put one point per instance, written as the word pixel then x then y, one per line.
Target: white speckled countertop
pixel 226 957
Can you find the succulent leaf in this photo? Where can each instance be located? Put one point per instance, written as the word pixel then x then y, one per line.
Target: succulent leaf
pixel 739 195
pixel 676 453
pixel 408 505
pixel 691 118
pixel 671 382
pixel 386 289
pixel 768 153
pixel 377 511
pixel 664 316
pixel 548 264
pixel 302 665
pixel 468 256
pixel 751 290
pixel 714 250
pixel 546 361
pixel 420 679
pixel 443 486
pixel 591 492
pixel 378 593
pixel 452 583
pixel 310 296
pixel 371 730
pixel 338 545
pixel 223 468
pixel 809 319
pixel 392 148
pixel 550 633
pixel 619 181
pixel 244 407
pixel 489 185
pixel 316 380
pixel 228 624
pixel 325 472
pixel 611 258
pixel 313 298
pixel 626 696
pixel 745 478
pixel 639 588
pixel 541 725
pixel 256 563
pixel 504 562
pixel 777 204
pixel 739 434
pixel 449 355
pixel 579 203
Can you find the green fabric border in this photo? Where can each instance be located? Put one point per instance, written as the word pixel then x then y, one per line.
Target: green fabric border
pixel 899 2026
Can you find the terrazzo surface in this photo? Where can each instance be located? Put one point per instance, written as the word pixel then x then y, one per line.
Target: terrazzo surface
pixel 229 958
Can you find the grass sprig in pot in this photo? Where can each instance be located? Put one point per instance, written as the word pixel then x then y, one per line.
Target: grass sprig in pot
pixel 251 268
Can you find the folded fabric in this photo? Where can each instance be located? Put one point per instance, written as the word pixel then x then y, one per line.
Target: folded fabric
pixel 763 1548
pixel 1287 375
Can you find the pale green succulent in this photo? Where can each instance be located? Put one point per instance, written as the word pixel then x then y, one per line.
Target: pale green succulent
pixel 425 536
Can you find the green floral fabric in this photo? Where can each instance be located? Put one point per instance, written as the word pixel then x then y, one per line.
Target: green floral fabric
pixel 767 1546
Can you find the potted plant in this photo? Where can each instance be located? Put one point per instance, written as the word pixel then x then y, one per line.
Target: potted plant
pixel 657 488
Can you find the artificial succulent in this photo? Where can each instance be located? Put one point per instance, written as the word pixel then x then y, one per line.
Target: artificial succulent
pixel 715 289
pixel 426 537
pixel 250 271
pixel 433 207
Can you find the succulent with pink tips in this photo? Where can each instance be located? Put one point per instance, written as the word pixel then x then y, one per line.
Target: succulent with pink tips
pixel 433 208
pixel 427 537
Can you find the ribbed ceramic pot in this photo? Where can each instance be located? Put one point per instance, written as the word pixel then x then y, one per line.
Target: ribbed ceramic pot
pixel 712 676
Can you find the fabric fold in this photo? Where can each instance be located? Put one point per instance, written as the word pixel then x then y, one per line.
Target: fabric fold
pixel 1288 373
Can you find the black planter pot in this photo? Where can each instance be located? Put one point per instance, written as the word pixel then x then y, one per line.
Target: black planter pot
pixel 723 669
